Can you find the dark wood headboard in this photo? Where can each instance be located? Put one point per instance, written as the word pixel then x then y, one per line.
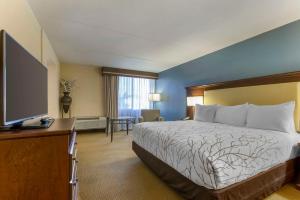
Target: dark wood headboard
pixel 262 80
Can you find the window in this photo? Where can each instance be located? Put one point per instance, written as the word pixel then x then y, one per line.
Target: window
pixel 133 95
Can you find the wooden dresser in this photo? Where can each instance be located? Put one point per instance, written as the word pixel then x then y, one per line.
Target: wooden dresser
pixel 39 164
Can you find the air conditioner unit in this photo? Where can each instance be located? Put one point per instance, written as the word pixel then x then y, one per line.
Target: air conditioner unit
pixel 90 123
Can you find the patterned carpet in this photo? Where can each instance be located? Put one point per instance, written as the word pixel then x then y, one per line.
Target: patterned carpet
pixel 111 171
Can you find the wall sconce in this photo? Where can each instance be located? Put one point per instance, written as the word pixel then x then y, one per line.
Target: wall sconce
pixel 192 101
pixel 154 97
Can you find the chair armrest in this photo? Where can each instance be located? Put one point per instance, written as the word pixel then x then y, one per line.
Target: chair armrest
pixel 161 119
pixel 140 119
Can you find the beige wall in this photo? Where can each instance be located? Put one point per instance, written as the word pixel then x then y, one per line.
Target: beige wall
pixel 88 92
pixel 50 60
pixel 17 18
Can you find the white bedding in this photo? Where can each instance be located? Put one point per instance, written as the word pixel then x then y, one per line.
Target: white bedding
pixel 214 155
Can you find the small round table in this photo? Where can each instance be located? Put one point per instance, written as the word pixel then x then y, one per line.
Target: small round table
pixel 111 121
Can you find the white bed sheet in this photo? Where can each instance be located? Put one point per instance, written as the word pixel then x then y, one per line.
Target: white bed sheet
pixel 215 155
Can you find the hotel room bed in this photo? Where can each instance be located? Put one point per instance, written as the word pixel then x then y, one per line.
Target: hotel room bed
pixel 205 160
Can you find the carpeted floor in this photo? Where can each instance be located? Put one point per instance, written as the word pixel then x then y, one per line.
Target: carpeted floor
pixel 111 171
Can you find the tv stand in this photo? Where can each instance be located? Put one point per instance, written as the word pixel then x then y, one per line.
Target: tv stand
pixel 39 163
pixel 17 125
pixel 42 124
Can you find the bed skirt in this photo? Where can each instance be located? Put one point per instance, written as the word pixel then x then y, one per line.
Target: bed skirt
pixel 256 187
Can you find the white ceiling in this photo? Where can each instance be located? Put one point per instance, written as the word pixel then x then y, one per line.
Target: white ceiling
pixel 154 35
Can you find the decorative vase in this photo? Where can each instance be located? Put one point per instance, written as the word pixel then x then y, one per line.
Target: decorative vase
pixel 66 101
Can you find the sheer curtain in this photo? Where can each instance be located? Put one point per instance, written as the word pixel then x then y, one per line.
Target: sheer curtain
pixel 111 85
pixel 133 95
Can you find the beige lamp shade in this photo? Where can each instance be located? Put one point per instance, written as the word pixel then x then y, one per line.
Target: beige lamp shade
pixel 192 101
pixel 154 97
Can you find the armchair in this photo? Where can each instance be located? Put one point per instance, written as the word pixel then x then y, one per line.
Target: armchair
pixel 150 115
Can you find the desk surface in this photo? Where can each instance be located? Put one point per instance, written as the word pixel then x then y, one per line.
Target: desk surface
pixel 59 127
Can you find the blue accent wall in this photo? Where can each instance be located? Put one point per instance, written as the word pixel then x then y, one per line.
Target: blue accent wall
pixel 273 52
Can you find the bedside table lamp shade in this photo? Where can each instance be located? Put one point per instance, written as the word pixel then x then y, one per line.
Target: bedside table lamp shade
pixel 192 101
pixel 154 97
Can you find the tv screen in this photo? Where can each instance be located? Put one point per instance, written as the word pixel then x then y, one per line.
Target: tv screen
pixel 24 83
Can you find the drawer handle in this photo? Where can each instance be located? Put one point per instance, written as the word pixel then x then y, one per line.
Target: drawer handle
pixel 74 155
pixel 73 143
pixel 74 182
pixel 74 170
pixel 75 192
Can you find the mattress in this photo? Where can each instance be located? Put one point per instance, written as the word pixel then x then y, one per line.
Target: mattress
pixel 214 155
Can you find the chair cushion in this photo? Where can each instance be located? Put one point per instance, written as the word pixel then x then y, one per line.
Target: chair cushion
pixel 150 115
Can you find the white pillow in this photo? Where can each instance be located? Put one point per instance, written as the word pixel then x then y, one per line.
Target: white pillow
pixel 205 113
pixel 272 117
pixel 232 115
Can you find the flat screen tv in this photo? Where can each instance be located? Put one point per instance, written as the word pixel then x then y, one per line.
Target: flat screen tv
pixel 23 83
